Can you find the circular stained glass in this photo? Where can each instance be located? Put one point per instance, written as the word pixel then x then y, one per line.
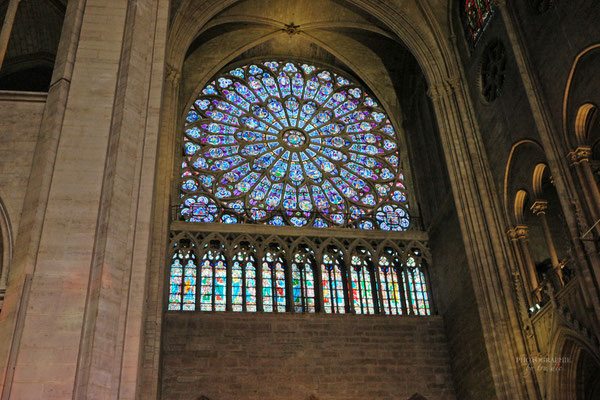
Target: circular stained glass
pixel 294 139
pixel 286 143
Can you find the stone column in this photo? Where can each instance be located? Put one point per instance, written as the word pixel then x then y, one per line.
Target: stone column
pixel 7 25
pixel 580 157
pixel 523 267
pixel 539 208
pixel 488 252
pixel 522 234
pixel 88 261
pixel 585 252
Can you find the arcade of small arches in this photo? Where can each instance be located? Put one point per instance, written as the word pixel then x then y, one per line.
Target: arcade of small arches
pixel 210 272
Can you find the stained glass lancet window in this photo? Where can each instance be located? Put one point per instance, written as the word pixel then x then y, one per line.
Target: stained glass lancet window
pixel 389 267
pixel 273 281
pixel 475 15
pixel 303 281
pixel 182 293
pixel 213 282
pixel 416 288
pixel 332 273
pixel 362 285
pixel 285 143
pixel 243 281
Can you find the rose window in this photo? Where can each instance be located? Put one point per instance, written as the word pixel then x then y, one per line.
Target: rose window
pixel 285 143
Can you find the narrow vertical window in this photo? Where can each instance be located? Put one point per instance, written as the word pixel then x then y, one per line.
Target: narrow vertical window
pixel 303 282
pixel 213 282
pixel 333 284
pixel 475 16
pixel 273 277
pixel 362 287
pixel 416 288
pixel 243 283
pixel 182 293
pixel 390 289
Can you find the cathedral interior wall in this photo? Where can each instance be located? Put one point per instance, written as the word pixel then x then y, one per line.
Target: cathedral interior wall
pixel 295 356
pixel 20 119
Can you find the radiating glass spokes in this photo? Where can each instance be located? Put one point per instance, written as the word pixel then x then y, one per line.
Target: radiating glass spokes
pixel 286 143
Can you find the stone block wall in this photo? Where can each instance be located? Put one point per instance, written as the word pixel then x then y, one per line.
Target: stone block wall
pixel 227 356
pixel 20 119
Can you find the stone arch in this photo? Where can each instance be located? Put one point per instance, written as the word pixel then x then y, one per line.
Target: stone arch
pixel 576 117
pixel 586 115
pixel 6 247
pixel 519 205
pixel 576 358
pixel 538 175
pixel 522 160
pixel 192 16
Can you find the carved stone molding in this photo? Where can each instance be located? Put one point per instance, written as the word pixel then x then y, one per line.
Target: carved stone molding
pixel 172 74
pixel 582 153
pixel 292 29
pixel 443 89
pixel 521 232
pixel 539 207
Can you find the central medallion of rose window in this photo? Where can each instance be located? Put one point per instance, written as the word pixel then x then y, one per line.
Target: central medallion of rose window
pixel 294 139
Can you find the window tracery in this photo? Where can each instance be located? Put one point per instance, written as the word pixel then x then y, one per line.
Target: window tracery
pixel 213 281
pixel 541 6
pixel 243 280
pixel 389 270
pixel 395 285
pixel 493 70
pixel 274 282
pixel 286 143
pixel 333 271
pixel 475 16
pixel 362 284
pixel 303 281
pixel 290 144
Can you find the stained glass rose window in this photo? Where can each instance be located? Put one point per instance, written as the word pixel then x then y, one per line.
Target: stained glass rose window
pixel 287 143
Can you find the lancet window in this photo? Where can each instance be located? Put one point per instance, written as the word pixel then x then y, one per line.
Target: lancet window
pixel 362 283
pixel 389 277
pixel 333 273
pixel 182 294
pixel 475 16
pixel 243 277
pixel 213 281
pixel 274 282
pixel 303 278
pixel 290 279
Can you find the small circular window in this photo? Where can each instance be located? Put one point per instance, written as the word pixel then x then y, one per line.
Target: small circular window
pixel 541 6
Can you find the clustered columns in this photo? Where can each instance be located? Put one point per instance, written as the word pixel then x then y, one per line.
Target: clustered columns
pixel 580 161
pixel 539 208
pixel 519 238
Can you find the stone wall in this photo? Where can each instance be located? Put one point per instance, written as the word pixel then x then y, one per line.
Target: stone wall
pixel 20 118
pixel 226 356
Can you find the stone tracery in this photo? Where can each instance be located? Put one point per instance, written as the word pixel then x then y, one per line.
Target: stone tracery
pixel 285 143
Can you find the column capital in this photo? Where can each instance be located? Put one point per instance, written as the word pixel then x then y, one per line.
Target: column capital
pixel 581 153
pixel 172 74
pixel 521 231
pixel 512 233
pixel 443 89
pixel 539 207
